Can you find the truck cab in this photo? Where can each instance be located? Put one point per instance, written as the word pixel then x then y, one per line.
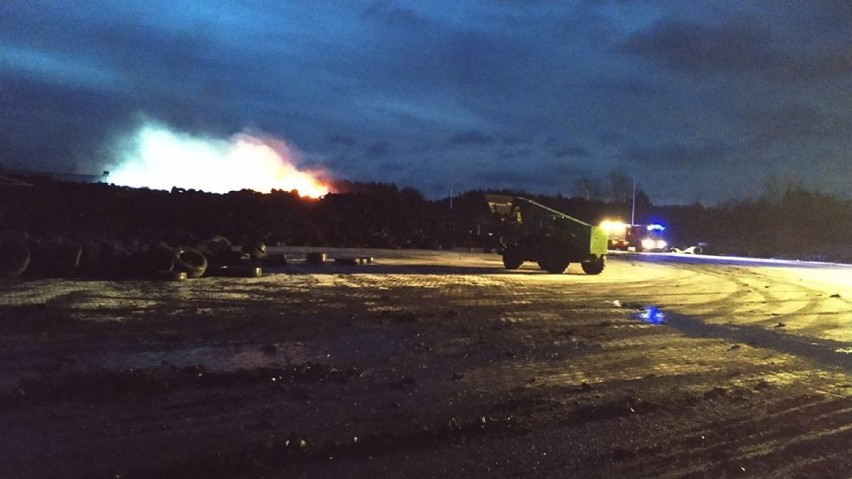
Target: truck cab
pixel 627 237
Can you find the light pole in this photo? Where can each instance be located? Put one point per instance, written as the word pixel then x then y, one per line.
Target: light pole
pixel 633 208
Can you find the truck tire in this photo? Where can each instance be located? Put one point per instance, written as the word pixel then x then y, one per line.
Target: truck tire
pixel 512 257
pixel 190 261
pixel 554 265
pixel 595 266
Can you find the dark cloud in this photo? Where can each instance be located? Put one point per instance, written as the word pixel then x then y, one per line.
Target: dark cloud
pixel 513 140
pixel 611 138
pixel 740 45
pixel 472 137
pixel 475 94
pixel 391 14
pixel 628 86
pixel 339 139
pixel 378 149
pixel 570 151
pixel 678 156
pixel 743 45
pixel 54 128
pixel 552 178
pixel 791 123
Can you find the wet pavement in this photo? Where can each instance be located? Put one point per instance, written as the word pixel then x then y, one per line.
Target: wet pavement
pixel 432 364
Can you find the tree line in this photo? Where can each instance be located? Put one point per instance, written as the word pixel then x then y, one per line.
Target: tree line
pixel 786 220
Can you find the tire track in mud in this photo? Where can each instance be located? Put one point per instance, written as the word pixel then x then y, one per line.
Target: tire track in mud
pixel 732 428
pixel 739 329
pixel 827 353
pixel 821 305
pixel 514 359
pixel 296 454
pixel 766 288
pixel 724 306
pixel 754 440
pixel 819 425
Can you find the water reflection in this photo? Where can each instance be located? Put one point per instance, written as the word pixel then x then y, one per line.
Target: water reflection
pixel 651 315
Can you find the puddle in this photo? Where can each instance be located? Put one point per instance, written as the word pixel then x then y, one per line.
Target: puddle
pixel 651 315
pixel 210 357
pixel 342 349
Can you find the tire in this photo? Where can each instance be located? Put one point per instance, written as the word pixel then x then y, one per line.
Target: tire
pixel 90 259
pixel 14 258
pixel 121 265
pixel 54 259
pixel 554 265
pixel 219 241
pixel 256 249
pixel 157 258
pixel 275 259
pixel 70 257
pixel 595 266
pixel 171 276
pixel 190 261
pixel 316 258
pixel 512 258
pixel 236 271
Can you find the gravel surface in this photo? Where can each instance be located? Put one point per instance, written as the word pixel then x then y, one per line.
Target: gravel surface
pixel 432 364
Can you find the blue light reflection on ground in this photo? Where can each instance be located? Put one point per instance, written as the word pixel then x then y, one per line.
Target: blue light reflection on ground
pixel 651 315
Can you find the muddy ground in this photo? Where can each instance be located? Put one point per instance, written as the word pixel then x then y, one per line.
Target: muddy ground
pixel 432 364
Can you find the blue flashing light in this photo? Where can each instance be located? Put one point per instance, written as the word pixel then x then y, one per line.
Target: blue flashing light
pixel 656 227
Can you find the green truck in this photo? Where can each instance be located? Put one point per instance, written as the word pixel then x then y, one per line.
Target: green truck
pixel 534 232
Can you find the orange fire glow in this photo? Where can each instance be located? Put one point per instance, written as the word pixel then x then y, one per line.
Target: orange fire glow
pixel 159 158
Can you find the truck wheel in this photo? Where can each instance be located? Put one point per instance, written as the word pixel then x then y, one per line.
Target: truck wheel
pixel 512 258
pixel 595 266
pixel 554 265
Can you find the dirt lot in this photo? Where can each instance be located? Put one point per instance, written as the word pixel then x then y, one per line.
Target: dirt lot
pixel 432 364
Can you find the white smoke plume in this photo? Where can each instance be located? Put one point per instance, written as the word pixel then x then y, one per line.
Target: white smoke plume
pixel 158 157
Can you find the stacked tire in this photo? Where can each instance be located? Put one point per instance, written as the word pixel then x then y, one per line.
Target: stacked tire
pixel 14 257
pixel 22 256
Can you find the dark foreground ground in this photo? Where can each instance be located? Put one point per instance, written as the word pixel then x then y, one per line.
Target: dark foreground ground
pixel 432 364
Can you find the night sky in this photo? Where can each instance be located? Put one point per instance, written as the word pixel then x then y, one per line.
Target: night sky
pixel 696 100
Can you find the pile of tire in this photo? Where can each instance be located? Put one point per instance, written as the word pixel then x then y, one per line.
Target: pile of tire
pixel 26 257
pixel 14 257
pixel 224 261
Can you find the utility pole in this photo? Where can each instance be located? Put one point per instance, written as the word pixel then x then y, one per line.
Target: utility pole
pixel 633 209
